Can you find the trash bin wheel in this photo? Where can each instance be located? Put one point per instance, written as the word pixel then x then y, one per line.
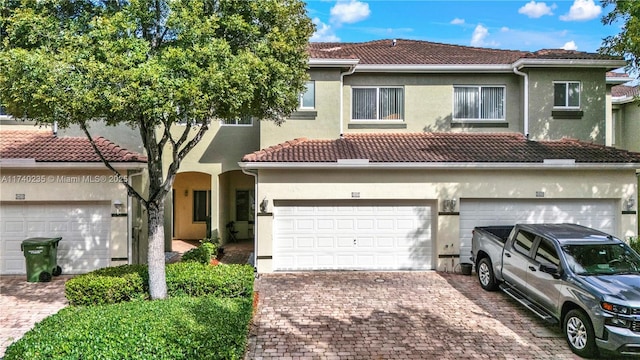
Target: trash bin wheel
pixel 44 277
pixel 57 271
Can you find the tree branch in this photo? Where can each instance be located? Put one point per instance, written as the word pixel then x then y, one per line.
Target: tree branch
pixel 130 189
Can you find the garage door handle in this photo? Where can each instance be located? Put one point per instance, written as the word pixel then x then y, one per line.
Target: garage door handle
pixel 354 242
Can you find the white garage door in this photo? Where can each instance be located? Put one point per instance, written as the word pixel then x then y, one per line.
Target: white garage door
pixel 352 237
pixel 598 214
pixel 84 229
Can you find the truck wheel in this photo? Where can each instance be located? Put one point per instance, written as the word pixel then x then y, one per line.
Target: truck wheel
pixel 579 334
pixel 485 274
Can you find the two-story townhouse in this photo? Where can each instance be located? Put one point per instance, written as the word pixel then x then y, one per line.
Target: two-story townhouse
pixel 398 149
pixel 405 146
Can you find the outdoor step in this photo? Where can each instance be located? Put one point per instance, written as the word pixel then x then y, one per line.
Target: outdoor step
pixel 528 304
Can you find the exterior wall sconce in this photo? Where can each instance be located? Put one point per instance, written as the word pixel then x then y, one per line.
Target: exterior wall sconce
pixel 186 192
pixel 264 204
pixel 449 205
pixel 630 203
pixel 118 205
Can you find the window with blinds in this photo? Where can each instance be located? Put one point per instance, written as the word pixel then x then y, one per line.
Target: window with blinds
pixel 478 103
pixel 377 103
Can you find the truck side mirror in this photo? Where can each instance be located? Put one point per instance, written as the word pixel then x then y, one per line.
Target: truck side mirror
pixel 550 269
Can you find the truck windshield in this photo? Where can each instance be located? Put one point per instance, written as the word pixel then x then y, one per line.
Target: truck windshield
pixel 601 259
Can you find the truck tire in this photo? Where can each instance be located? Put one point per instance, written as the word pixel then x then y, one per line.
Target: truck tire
pixel 485 274
pixel 579 334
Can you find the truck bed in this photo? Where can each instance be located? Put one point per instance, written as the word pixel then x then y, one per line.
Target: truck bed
pixel 499 232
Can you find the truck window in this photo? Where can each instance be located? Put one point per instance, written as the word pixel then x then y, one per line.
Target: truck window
pixel 546 253
pixel 523 242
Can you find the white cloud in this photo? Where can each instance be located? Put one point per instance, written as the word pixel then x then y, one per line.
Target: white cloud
pixel 535 10
pixel 504 29
pixel 479 37
pixel 323 33
pixel 457 21
pixel 570 45
pixel 582 10
pixel 349 12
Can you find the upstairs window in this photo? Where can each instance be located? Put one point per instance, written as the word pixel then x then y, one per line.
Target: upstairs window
pixel 566 94
pixel 308 97
pixel 242 120
pixel 478 103
pixel 377 103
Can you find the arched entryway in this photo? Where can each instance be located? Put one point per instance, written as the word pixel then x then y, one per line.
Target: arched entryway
pixel 192 199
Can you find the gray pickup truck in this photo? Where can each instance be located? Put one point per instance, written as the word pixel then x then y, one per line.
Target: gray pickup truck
pixel 583 279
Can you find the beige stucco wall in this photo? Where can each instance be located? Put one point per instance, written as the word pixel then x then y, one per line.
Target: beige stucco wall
pixel 324 125
pixel 630 129
pixel 429 101
pixel 543 126
pixel 70 185
pixel 433 186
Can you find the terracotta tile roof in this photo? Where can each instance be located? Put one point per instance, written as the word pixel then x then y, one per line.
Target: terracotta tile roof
pixel 414 52
pixel 43 146
pixel 440 147
pixel 624 90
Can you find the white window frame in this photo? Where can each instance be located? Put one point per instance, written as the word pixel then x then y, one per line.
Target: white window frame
pixel 400 119
pixel 566 89
pixel 236 122
pixel 479 101
pixel 312 84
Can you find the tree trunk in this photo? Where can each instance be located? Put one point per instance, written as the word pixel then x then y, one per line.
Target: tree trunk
pixel 157 275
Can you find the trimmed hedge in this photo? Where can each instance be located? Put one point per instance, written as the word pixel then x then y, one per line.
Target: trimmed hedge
pixel 130 282
pixel 201 254
pixel 178 328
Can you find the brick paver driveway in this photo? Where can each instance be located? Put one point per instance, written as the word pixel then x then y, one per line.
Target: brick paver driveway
pixel 394 315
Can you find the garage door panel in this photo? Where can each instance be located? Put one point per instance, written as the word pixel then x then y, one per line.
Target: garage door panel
pixel 596 213
pixel 84 228
pixel 353 237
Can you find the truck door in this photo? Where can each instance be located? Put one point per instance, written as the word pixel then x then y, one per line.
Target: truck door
pixel 543 286
pixel 517 259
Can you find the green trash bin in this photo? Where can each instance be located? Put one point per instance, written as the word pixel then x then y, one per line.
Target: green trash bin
pixel 41 256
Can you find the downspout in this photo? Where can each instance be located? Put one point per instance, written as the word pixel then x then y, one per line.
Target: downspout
pixel 351 70
pixel 526 101
pixel 255 217
pixel 130 215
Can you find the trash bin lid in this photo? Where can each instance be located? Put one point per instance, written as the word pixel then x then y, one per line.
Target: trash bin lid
pixel 40 241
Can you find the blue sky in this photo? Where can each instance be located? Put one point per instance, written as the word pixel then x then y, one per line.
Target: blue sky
pixel 501 24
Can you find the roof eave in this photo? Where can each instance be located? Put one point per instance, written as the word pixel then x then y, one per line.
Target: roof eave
pixel 585 63
pixel 48 165
pixel 440 68
pixel 435 166
pixel 317 62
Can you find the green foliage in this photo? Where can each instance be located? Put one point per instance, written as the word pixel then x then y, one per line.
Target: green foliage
pixel 177 328
pixel 625 15
pixel 202 254
pixel 195 279
pixel 130 282
pixel 108 286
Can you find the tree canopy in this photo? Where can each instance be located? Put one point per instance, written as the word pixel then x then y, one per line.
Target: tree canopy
pixel 627 42
pixel 151 64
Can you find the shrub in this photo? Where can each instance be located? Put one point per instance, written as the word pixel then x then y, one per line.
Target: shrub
pixel 130 282
pixel 108 285
pixel 195 279
pixel 177 328
pixel 201 254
